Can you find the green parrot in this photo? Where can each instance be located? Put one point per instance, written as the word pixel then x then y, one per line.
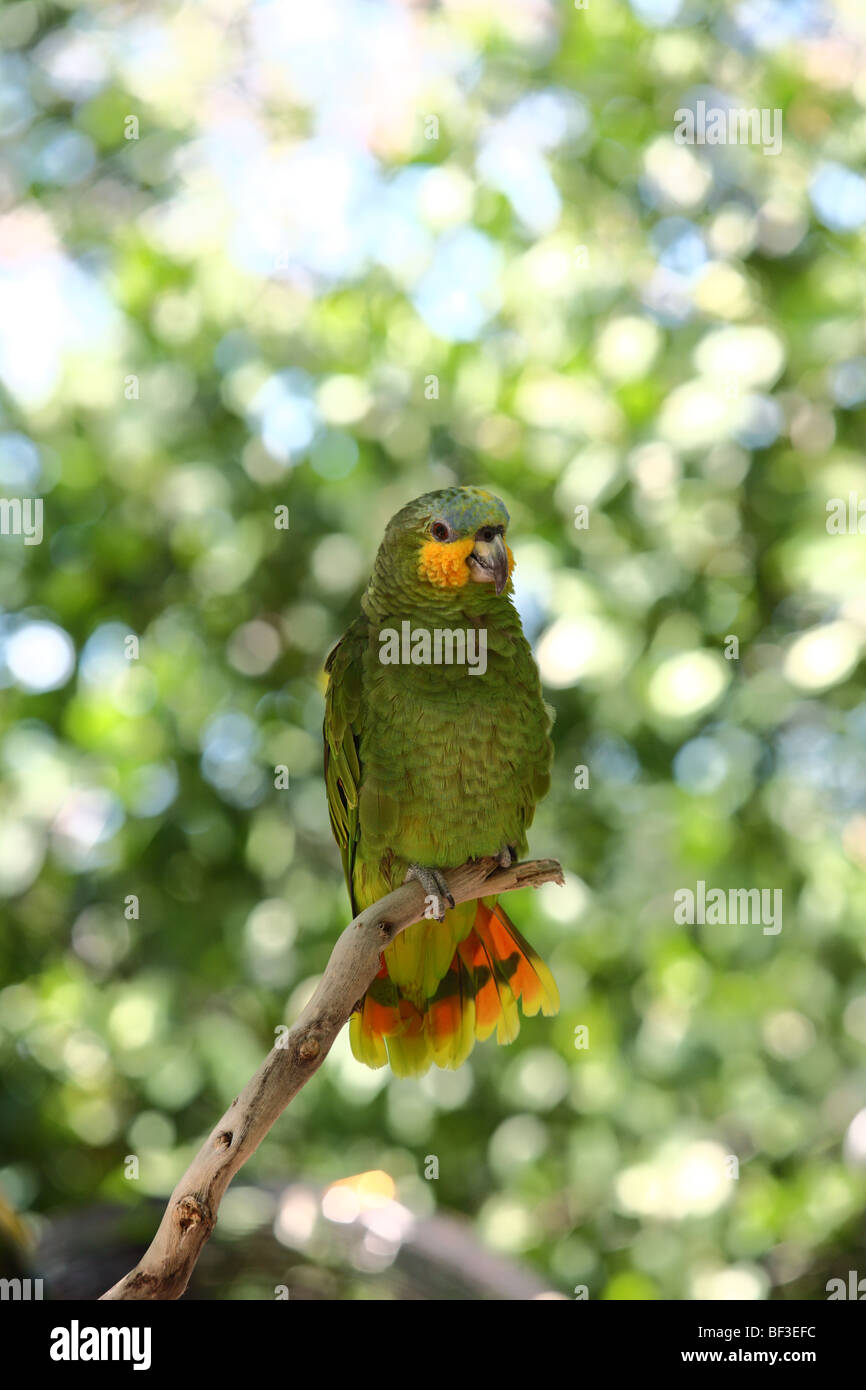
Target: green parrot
pixel 437 749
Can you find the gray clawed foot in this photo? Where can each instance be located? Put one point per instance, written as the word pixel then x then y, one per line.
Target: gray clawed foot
pixel 506 857
pixel 434 886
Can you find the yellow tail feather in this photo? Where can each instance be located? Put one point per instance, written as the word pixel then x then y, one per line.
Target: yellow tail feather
pixel 451 982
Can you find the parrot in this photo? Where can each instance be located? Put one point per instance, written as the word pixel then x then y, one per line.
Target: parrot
pixel 429 763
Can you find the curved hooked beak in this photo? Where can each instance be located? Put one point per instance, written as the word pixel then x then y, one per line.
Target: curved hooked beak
pixel 488 563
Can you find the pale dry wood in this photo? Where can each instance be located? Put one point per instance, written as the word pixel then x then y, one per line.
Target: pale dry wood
pixel 164 1270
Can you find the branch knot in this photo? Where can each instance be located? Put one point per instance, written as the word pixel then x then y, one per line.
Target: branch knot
pixel 189 1211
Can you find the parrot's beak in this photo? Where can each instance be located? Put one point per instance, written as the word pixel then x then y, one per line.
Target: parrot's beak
pixel 488 563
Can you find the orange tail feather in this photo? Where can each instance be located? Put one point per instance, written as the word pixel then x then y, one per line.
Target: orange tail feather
pixel 492 969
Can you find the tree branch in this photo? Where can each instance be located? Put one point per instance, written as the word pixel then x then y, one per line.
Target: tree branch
pixel 164 1270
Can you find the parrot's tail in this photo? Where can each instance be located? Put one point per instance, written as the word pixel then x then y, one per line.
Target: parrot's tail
pixel 491 969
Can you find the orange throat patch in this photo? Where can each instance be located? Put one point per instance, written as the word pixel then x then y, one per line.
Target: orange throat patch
pixel 443 563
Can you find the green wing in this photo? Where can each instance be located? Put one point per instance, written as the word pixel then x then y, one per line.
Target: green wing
pixel 342 731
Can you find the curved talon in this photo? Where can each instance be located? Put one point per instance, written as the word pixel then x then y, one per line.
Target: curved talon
pixel 506 857
pixel 434 886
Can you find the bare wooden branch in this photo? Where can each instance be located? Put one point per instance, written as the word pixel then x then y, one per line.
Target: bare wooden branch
pixel 164 1270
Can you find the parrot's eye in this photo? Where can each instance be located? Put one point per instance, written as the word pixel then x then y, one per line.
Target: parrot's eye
pixel 439 531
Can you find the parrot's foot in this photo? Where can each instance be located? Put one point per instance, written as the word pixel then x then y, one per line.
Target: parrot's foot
pixel 434 886
pixel 506 856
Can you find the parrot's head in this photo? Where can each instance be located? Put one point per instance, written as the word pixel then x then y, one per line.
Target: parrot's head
pixel 446 540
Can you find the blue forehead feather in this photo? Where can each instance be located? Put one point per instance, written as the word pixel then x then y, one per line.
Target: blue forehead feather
pixel 465 509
